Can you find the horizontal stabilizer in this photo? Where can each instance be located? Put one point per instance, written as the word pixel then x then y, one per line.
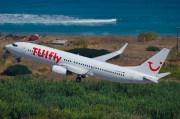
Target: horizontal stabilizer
pixel 163 74
pixel 110 55
pixel 151 79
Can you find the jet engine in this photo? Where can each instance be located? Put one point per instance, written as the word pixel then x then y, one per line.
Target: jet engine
pixel 59 70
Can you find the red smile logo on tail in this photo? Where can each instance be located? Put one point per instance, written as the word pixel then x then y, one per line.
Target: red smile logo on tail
pixel 154 69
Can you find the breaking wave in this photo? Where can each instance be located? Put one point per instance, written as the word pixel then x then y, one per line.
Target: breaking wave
pixel 51 19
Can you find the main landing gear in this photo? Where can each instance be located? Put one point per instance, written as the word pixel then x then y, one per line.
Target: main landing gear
pixel 78 79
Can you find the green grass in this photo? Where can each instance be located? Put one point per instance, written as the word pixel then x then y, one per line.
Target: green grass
pixel 173 68
pixel 26 97
pixel 2 61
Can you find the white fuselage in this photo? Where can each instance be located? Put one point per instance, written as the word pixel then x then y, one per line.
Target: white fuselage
pixel 57 57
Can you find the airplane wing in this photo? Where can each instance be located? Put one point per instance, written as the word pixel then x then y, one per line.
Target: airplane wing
pixel 90 72
pixel 78 70
pixel 110 55
pixel 74 69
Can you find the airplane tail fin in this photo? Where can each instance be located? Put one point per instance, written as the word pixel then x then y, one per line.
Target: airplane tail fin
pixel 153 65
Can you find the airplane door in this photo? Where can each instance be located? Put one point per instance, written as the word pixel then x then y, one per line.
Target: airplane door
pixel 24 49
pixel 131 78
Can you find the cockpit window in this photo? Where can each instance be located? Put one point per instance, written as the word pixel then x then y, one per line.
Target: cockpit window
pixel 14 45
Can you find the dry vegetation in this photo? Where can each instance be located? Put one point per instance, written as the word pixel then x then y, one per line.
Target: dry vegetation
pixel 40 95
pixel 134 54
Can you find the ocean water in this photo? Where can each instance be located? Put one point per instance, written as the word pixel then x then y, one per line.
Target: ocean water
pixel 90 17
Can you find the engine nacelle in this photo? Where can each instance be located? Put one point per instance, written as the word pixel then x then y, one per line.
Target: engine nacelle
pixel 59 70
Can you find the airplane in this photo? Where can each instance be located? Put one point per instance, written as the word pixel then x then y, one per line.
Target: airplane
pixel 65 63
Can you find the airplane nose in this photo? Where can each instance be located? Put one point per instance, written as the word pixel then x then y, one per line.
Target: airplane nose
pixel 7 47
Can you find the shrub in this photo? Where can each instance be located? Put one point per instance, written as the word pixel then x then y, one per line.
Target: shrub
pixel 152 48
pixel 16 70
pixel 2 61
pixel 83 43
pixel 147 36
pixel 94 42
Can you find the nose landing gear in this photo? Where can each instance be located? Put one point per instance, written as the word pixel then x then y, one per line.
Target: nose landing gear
pixel 18 60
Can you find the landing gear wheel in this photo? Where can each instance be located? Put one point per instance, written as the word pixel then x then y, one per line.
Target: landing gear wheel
pixel 78 79
pixel 18 60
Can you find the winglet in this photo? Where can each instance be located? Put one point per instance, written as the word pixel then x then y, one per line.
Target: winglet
pixel 122 49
